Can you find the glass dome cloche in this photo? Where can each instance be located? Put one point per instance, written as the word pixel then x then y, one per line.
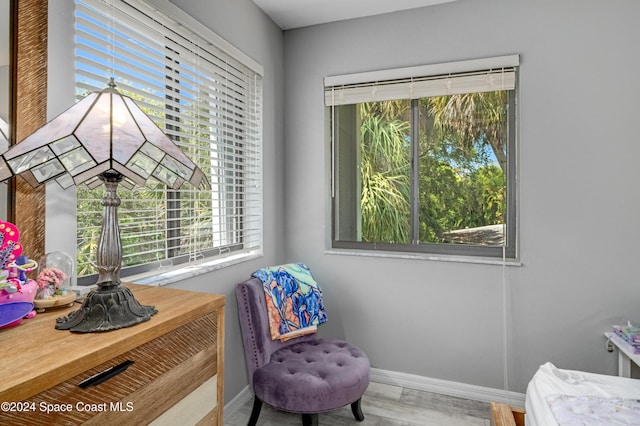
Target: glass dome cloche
pixel 55 278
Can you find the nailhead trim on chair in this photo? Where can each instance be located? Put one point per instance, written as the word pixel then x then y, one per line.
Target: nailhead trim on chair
pixel 252 337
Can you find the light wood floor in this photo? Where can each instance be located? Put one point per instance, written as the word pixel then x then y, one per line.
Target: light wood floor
pixel 385 405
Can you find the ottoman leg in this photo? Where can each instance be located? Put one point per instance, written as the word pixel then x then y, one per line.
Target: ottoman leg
pixel 310 419
pixel 255 413
pixel 356 409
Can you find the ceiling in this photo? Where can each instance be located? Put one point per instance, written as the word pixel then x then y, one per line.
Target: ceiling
pixel 288 14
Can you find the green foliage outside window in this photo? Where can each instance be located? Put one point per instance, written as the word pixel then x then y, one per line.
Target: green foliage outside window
pixel 462 162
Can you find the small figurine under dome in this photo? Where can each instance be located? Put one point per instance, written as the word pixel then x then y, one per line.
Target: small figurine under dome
pixel 50 282
pixel 54 277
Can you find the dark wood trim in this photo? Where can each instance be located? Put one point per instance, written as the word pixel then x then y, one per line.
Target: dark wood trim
pixel 28 112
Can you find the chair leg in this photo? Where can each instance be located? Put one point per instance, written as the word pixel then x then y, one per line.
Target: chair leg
pixel 356 409
pixel 310 419
pixel 255 413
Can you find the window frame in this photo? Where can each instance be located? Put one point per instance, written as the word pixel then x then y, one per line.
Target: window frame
pixel 509 250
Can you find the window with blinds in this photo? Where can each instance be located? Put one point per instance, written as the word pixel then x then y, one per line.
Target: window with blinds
pixel 208 101
pixel 424 158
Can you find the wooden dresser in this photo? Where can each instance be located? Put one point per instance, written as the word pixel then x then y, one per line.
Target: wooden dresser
pixel 176 376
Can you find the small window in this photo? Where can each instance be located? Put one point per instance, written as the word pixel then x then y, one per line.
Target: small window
pixel 426 162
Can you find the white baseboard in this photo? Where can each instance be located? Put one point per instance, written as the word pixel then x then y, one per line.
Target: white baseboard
pixel 445 387
pixel 412 381
pixel 237 402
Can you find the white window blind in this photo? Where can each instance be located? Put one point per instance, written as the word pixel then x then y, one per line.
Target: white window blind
pixel 484 75
pixel 207 101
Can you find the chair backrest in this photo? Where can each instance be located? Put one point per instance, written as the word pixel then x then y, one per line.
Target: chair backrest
pixel 254 325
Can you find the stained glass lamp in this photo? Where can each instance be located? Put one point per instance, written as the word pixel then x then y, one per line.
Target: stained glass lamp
pixel 103 139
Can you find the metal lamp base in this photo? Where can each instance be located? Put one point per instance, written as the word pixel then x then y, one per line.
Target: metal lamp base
pixel 106 308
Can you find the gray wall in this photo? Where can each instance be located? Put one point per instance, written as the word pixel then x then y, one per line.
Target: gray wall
pixel 60 210
pixel 579 197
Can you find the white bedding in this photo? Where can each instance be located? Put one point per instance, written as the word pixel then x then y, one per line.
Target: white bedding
pixel 567 397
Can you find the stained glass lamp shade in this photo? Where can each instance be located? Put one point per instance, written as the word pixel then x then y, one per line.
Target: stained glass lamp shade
pixel 103 139
pixel 105 132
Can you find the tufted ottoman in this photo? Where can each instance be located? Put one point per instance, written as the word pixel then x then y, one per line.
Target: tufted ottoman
pixel 313 377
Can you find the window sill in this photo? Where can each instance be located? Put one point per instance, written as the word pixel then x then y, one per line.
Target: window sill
pixel 168 275
pixel 427 257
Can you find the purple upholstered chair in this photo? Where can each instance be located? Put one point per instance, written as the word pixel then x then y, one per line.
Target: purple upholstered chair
pixel 306 375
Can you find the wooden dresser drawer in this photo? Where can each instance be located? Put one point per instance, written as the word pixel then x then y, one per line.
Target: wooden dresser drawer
pixel 178 365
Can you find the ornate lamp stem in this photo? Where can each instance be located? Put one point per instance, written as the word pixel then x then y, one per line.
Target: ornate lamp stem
pixel 109 256
pixel 111 306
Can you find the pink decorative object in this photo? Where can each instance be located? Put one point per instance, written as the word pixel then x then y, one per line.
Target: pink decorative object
pixel 50 282
pixel 25 293
pixel 14 287
pixel 10 248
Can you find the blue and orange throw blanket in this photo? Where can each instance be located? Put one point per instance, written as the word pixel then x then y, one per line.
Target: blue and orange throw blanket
pixel 294 300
